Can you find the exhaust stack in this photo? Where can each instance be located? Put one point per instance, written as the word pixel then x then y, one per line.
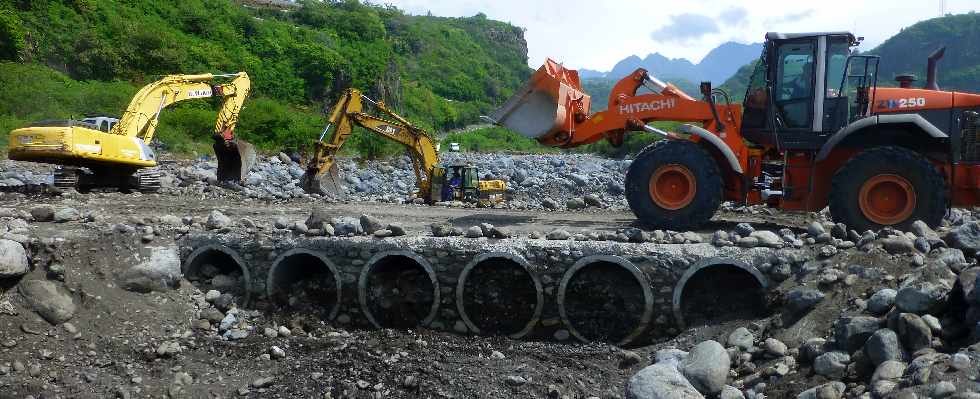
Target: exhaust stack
pixel 931 69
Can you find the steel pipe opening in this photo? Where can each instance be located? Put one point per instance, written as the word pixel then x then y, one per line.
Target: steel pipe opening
pixel 216 267
pixel 398 290
pixel 718 290
pixel 605 298
pixel 496 294
pixel 303 281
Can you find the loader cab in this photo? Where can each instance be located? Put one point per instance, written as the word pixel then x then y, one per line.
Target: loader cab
pixel 796 97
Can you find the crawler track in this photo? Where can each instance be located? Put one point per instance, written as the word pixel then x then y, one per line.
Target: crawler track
pixel 625 294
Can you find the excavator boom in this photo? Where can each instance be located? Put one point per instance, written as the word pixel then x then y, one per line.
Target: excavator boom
pixel 321 177
pixel 349 112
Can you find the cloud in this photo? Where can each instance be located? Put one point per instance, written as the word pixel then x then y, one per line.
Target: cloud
pixel 734 16
pixel 685 28
pixel 791 17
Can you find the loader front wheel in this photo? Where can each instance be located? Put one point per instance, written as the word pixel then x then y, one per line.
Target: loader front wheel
pixel 674 185
pixel 888 186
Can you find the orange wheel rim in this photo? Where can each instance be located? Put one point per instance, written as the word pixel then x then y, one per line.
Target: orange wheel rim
pixel 672 186
pixel 887 199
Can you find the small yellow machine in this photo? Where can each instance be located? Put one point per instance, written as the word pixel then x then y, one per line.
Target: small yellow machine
pixel 435 182
pixel 108 152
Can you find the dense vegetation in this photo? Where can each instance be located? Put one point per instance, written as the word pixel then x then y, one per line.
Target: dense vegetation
pixel 89 56
pixel 494 139
pixel 69 58
pixel 906 52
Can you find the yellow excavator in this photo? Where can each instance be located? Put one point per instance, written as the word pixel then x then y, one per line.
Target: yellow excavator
pixel 435 182
pixel 109 152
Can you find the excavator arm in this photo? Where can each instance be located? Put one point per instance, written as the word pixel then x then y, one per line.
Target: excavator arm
pixel 143 113
pixel 140 120
pixel 348 113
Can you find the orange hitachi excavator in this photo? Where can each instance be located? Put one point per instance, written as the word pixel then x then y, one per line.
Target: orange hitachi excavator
pixel 814 130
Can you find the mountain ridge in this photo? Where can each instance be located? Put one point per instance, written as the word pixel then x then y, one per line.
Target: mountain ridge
pixel 718 65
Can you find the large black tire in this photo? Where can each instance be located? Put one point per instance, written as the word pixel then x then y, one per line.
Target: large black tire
pixel 707 182
pixel 927 184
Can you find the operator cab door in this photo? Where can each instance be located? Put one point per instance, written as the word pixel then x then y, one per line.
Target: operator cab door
pixel 794 75
pixel 781 101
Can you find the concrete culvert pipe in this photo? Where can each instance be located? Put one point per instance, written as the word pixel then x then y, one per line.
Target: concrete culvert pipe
pixel 497 295
pixel 398 290
pixel 216 267
pixel 303 281
pixel 719 290
pixel 605 298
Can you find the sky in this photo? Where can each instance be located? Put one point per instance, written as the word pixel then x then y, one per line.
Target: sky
pixel 595 34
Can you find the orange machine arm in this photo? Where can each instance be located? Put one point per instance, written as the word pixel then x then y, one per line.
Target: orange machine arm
pixel 555 92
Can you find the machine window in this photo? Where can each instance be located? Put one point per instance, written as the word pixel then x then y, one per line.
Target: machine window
pixel 794 84
pixel 837 52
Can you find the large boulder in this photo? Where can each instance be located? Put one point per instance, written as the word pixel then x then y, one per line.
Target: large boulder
pixel 48 300
pixel 800 300
pixel 882 301
pixel 898 245
pixel 851 333
pixel 13 259
pixel 891 370
pixel 832 364
pixel 833 389
pixel 42 213
pixel 159 272
pixel 706 367
pixel 217 220
pixel 318 218
pixel 660 381
pixel 370 224
pixel 921 297
pixel 913 332
pixel 67 214
pixel 346 226
pixel 965 237
pixel 741 338
pixel 966 286
pixel 883 346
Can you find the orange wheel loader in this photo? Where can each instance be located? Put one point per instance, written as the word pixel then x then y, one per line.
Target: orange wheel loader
pixel 814 130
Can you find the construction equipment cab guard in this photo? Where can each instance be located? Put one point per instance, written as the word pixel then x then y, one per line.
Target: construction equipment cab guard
pixel 814 130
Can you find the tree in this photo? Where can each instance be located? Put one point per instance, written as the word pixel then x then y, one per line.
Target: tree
pixel 12 41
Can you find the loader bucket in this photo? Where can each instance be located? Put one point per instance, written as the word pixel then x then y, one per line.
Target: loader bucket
pixel 546 104
pixel 235 159
pixel 326 183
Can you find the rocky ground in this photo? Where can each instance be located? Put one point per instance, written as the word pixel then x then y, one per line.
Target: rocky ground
pixel 534 181
pixel 92 302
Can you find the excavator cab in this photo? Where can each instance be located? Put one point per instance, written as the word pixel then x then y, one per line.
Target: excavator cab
pixel 798 92
pixel 455 182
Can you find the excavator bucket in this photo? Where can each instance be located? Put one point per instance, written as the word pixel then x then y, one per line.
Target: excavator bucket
pixel 326 183
pixel 235 159
pixel 546 104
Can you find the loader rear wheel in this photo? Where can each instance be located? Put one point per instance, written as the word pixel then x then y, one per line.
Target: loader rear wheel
pixel 888 186
pixel 674 185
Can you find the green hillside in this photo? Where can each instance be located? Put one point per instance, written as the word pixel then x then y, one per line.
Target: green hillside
pixel 89 56
pixel 736 85
pixel 907 51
